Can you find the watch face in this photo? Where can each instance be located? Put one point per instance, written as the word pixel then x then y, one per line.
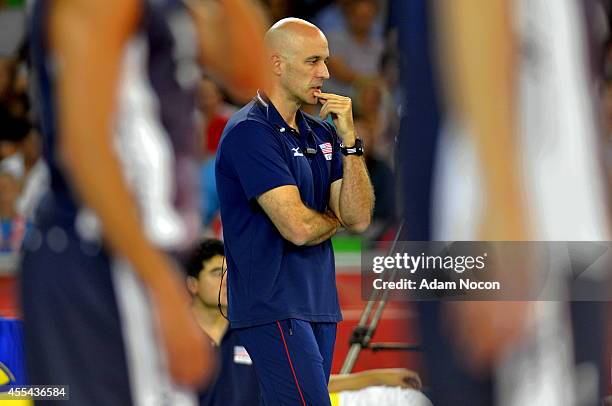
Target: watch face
pixel 356 149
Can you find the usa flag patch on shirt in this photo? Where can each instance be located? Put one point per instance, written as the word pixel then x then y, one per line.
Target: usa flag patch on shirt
pixel 241 356
pixel 327 150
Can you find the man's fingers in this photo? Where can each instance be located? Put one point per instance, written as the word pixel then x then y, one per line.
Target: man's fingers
pixel 330 108
pixel 337 104
pixel 329 96
pixel 324 111
pixel 333 107
pixel 414 380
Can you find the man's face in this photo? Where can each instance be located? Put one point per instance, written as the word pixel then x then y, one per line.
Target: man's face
pixel 206 286
pixel 304 67
pixel 361 16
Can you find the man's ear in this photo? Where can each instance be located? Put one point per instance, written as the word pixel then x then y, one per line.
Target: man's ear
pixel 192 285
pixel 277 64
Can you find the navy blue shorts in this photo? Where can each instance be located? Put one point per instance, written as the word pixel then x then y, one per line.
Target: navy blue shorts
pixel 292 359
pixel 88 324
pixel 71 322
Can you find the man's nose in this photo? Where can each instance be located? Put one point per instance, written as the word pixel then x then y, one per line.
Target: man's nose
pixel 323 71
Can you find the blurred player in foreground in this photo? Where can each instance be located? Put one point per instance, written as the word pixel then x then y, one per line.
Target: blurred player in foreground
pixel 105 311
pixel 525 168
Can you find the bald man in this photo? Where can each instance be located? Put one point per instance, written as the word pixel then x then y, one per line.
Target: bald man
pixel 287 182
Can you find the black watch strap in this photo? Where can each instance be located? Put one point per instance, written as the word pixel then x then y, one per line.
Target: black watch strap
pixel 356 149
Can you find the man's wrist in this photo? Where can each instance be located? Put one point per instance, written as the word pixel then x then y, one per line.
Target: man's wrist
pixel 349 140
pixel 333 218
pixel 355 149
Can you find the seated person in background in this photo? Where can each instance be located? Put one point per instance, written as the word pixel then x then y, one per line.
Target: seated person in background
pixel 237 383
pixel 12 225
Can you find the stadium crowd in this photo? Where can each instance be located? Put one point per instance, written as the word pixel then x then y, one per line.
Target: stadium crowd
pixel 364 64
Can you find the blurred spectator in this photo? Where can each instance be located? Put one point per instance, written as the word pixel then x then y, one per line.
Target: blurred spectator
pixel 355 52
pixel 13 86
pixel 374 104
pixel 20 155
pixel 215 113
pixel 12 131
pixel 333 18
pixel 390 76
pixel 7 73
pixel 36 176
pixel 22 69
pixel 383 181
pixel 209 199
pixel 12 225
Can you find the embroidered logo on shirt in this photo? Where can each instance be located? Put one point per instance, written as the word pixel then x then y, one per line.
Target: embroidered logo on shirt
pixel 327 150
pixel 296 151
pixel 241 356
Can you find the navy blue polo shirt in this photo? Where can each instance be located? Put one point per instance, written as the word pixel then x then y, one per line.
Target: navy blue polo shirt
pixel 269 278
pixel 237 382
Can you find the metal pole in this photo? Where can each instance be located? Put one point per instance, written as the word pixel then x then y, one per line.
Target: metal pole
pixel 362 334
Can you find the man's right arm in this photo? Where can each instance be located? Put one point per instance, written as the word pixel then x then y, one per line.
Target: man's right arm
pixel 296 222
pixel 256 155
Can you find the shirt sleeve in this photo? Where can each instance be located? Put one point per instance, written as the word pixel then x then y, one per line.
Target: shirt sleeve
pixel 255 155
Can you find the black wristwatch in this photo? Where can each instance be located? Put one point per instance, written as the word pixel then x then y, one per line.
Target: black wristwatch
pixel 356 149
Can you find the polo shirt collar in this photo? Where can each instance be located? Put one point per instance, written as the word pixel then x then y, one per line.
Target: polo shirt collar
pixel 276 119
